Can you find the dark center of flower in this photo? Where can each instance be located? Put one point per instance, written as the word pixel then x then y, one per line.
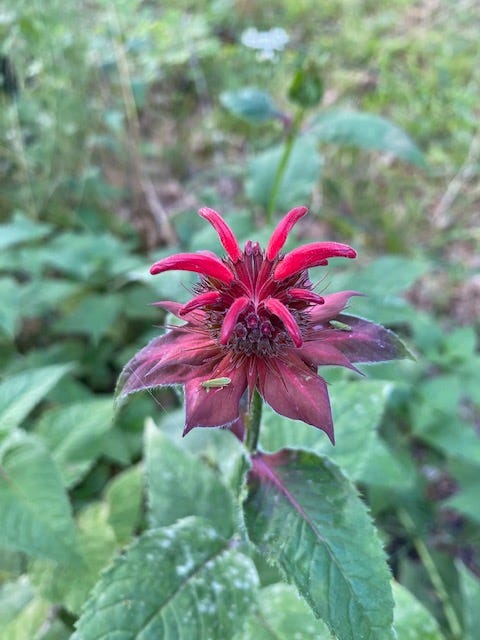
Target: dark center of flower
pixel 256 333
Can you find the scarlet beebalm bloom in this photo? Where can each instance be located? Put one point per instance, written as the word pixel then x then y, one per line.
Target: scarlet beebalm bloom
pixel 256 323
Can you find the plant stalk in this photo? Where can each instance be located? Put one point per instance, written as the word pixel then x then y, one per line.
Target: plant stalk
pixel 253 422
pixel 282 165
pixel 435 577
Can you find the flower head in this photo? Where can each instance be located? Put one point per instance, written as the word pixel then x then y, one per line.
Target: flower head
pixel 256 322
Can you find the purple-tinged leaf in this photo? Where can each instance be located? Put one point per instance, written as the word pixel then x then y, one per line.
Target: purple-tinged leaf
pixel 307 519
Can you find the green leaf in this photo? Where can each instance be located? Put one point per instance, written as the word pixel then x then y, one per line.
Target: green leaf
pixel 301 174
pixel 20 393
pixel 69 585
pixel 94 316
pixel 29 622
pixel 35 514
pixel 308 520
pixel 470 590
pixel 179 485
pixel 11 307
pixel 283 615
pixel 357 408
pixel 124 496
pixel 75 435
pixel 251 104
pixel 306 88
pixel 182 581
pixel 14 596
pixel 366 131
pixel 21 229
pixel 412 620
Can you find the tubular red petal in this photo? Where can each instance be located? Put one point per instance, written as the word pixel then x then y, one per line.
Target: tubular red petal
pixel 281 231
pixel 231 318
pixel 311 255
pixel 306 295
pixel 280 310
pixel 199 263
pixel 209 297
pixel 226 235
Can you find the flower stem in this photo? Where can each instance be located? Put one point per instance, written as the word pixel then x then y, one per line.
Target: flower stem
pixel 435 577
pixel 282 165
pixel 253 422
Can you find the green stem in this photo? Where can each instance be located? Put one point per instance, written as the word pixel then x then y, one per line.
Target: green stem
pixel 282 165
pixel 253 422
pixel 435 577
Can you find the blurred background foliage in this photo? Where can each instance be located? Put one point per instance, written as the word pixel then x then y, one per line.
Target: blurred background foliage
pixel 117 121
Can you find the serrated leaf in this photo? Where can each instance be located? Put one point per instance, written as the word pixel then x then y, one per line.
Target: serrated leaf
pixel 20 393
pixel 308 520
pixel 35 514
pixel 283 615
pixel 182 581
pixel 75 434
pixel 179 485
pixel 357 408
pixel 366 131
pixel 124 496
pixel 69 585
pixel 470 589
pixel 301 174
pixel 412 620
pixel 250 103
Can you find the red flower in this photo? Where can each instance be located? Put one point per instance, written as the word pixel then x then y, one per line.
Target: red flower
pixel 256 322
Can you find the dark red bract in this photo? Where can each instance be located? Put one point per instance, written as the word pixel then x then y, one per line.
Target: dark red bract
pixel 255 322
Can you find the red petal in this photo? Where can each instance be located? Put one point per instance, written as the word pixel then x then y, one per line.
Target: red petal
pixel 280 310
pixel 294 391
pixel 320 353
pixel 226 235
pixel 198 262
pixel 311 255
pixel 231 318
pixel 170 359
pixel 209 297
pixel 281 231
pixel 365 341
pixel 333 304
pixel 306 295
pixel 214 407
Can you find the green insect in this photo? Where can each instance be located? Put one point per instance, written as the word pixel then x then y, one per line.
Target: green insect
pixel 215 383
pixel 336 324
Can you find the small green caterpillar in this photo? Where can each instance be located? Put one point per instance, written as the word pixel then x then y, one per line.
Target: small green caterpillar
pixel 215 383
pixel 336 324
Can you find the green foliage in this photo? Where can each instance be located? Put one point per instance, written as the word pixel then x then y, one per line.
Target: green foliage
pixel 308 520
pixel 365 131
pixel 119 120
pixel 181 580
